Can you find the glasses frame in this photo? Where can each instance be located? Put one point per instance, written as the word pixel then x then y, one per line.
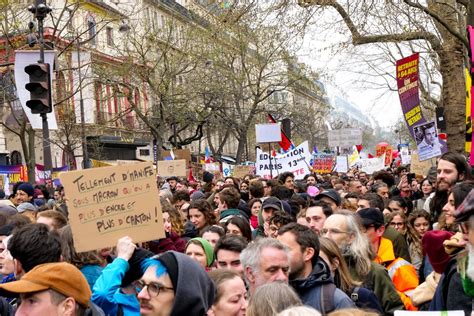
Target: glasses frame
pixel 140 285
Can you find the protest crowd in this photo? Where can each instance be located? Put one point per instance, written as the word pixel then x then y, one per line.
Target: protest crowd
pixel 336 244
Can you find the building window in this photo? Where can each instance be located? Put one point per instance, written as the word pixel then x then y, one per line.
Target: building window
pixel 144 152
pixel 15 158
pixel 91 26
pixel 110 36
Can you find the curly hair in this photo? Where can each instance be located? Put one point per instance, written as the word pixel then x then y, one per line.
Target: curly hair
pixel 205 208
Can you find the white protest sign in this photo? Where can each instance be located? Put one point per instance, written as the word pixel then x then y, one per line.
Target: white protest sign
pixel 438 313
pixel 346 137
pixel 405 155
pixel 268 133
pixel 371 165
pixel 342 164
pixel 296 161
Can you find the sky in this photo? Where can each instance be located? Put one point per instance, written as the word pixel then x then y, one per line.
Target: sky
pixel 322 51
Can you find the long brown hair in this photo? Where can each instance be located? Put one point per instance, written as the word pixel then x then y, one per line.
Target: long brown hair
pixel 342 276
pixel 69 254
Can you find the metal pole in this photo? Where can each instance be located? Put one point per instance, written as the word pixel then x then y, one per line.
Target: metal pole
pixel 85 153
pixel 270 160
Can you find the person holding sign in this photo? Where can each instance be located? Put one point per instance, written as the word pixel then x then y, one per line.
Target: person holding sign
pixel 114 290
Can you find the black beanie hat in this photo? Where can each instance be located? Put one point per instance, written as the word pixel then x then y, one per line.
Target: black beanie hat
pixel 134 271
pixel 207 177
pixel 171 265
pixel 27 188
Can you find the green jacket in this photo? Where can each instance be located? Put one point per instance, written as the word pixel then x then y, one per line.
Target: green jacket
pixel 380 283
pixel 400 246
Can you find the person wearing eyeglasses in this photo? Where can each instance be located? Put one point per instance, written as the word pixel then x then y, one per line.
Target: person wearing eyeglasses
pixel 174 284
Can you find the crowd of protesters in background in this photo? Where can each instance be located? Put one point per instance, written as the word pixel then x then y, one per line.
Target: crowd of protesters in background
pixel 336 244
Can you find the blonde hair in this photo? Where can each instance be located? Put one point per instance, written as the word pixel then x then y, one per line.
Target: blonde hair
pixel 272 298
pixel 299 311
pixel 352 312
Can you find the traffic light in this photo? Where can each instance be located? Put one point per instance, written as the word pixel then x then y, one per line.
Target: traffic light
pixel 39 87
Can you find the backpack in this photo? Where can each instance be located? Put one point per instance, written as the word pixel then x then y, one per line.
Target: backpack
pixel 365 299
pixel 327 298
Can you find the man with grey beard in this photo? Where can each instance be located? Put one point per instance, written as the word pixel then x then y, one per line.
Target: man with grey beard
pixel 455 289
pixel 343 228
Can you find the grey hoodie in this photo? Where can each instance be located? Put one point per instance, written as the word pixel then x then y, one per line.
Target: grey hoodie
pixel 194 290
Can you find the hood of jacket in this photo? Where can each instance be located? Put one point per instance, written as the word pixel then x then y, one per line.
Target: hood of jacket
pixel 195 292
pixel 319 275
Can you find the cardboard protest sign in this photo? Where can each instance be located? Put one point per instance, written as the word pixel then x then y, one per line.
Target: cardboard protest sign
pixel 419 167
pixel 108 203
pixel 371 165
pixel 241 171
pixel 169 168
pixel 296 161
pixel 178 154
pixel 323 163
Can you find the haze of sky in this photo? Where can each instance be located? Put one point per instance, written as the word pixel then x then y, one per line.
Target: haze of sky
pixel 345 72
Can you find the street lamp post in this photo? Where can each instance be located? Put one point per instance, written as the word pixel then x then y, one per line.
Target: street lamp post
pixel 40 10
pixel 85 153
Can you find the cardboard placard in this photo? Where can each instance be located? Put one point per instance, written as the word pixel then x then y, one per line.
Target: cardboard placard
pixel 169 168
pixel 108 203
pixel 241 171
pixel 178 154
pixel 419 167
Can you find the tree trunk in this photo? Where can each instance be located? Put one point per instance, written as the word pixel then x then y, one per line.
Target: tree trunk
pixel 452 70
pixel 241 146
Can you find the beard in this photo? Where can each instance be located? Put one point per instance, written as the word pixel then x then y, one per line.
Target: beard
pixel 470 262
pixel 443 186
pixel 297 272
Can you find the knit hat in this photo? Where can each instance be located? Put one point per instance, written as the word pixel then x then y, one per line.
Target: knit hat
pixel 62 277
pixel 134 271
pixel 371 216
pixel 332 194
pixel 207 176
pixel 27 188
pixel 312 191
pixel 466 209
pixel 25 206
pixel 6 230
pixel 208 249
pixel 432 243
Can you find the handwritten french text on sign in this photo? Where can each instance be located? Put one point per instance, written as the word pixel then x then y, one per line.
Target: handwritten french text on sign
pixel 371 165
pixel 346 137
pixel 169 168
pixel 108 203
pixel 296 161
pixel 323 163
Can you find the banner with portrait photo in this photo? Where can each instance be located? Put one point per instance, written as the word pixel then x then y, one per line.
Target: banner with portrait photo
pixel 427 141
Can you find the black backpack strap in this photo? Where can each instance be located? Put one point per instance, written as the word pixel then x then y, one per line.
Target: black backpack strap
pixel 355 294
pixel 327 298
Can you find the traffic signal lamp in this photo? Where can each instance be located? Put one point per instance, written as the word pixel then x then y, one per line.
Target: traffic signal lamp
pixel 39 86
